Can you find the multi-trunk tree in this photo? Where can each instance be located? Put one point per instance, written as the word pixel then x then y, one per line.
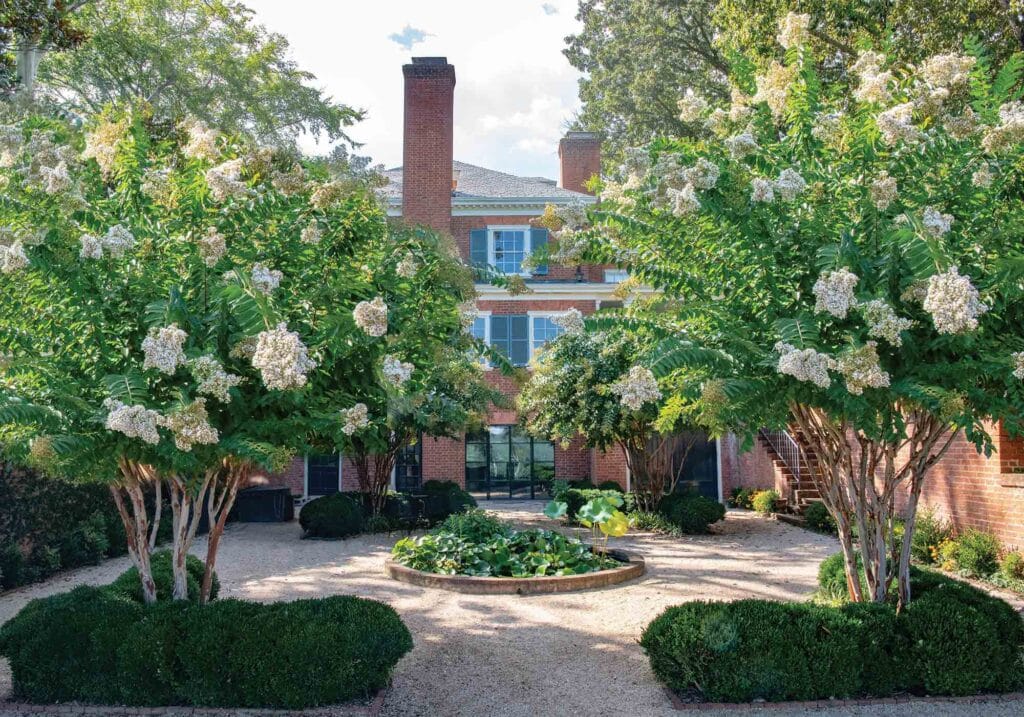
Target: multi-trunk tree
pixel 170 297
pixel 855 249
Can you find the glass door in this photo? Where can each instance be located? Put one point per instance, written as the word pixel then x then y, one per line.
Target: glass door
pixel 506 461
pixel 409 467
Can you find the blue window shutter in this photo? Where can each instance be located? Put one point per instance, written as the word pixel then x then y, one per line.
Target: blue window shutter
pixel 478 247
pixel 500 334
pixel 519 340
pixel 539 240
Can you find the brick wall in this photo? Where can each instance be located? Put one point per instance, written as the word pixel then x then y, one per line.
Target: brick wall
pixel 444 459
pixel 752 468
pixel 609 465
pixel 293 477
pixel 579 155
pixel 427 144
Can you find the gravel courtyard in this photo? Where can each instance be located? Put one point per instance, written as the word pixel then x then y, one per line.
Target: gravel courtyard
pixel 562 654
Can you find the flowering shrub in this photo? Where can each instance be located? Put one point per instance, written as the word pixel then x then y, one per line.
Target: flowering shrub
pixel 857 256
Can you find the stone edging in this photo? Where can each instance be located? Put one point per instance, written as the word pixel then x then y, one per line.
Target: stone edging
pixel 678 704
pixel 634 568
pixel 73 709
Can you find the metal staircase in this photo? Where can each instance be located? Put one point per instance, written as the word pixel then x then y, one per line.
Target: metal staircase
pixel 797 463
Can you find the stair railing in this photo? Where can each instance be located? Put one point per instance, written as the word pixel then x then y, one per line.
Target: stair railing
pixel 786 448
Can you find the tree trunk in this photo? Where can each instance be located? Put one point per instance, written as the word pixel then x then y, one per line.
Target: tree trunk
pixel 134 476
pixel 187 511
pixel 219 503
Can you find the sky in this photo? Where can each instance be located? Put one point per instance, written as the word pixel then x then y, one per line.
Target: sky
pixel 514 91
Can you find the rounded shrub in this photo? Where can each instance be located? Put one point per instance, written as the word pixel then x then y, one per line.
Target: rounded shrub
pixel 453 499
pixel 930 532
pixel 331 516
pixel 127 583
pixel 476 526
pixel 818 518
pixel 610 485
pixel 763 501
pixel 1011 566
pixel 93 645
pixel 691 513
pixel 977 553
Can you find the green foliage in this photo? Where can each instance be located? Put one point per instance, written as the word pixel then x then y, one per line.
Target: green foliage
pixel 763 501
pixel 451 499
pixel 740 497
pixel 610 485
pixel 576 498
pixel 977 553
pixel 646 521
pixel 690 512
pixel 929 533
pixel 518 554
pixel 832 577
pixel 93 645
pixel 818 518
pixel 331 516
pixel 128 585
pixel 756 649
pixel 167 51
pixel 1011 566
pixel 475 526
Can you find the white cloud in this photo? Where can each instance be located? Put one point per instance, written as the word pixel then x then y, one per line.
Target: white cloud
pixel 514 93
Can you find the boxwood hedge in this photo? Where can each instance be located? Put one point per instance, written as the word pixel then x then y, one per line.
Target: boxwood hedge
pixel 952 640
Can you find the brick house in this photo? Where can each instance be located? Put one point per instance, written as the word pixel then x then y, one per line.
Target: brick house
pixel 489 214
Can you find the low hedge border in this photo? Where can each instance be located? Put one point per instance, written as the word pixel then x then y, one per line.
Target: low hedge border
pixel 684 706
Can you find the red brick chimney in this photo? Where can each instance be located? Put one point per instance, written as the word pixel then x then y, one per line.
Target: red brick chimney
pixel 580 156
pixel 427 144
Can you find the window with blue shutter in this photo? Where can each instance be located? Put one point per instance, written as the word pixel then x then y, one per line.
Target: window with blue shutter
pixel 539 242
pixel 510 335
pixel 478 247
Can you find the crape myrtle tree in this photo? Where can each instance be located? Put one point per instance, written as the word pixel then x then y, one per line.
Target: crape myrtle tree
pixel 418 368
pixel 856 251
pixel 168 293
pixel 626 389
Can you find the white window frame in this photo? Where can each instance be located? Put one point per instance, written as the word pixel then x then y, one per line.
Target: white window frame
pixel 531 315
pixel 609 275
pixel 527 243
pixel 486 316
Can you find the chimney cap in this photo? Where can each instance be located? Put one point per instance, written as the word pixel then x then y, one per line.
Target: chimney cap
pixel 430 61
pixel 429 68
pixel 582 136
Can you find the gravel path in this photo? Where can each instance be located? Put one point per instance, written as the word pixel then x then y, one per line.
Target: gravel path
pixel 562 654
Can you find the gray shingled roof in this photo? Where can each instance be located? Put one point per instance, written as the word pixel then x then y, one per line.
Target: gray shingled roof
pixel 480 183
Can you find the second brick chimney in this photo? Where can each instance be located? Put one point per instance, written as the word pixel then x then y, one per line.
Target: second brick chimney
pixel 579 154
pixel 427 142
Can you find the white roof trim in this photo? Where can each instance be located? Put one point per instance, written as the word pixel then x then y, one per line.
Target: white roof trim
pixel 582 291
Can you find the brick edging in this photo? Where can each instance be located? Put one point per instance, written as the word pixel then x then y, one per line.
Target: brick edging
pixel 75 709
pixel 681 706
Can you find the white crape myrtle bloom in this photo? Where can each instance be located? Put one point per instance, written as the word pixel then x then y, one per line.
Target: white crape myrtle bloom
pixel 92 247
pixel 828 127
pixel 868 63
pixel 896 125
pixel 717 121
pixel 692 106
pixel 354 418
pixel 794 29
pixel 133 421
pixel 311 234
pixel 874 88
pixel 372 316
pixel 742 145
pixel 703 174
pixel 101 144
pixel 202 141
pixel 164 349
pixel 636 388
pixel 883 191
pixel 883 322
pixel 1018 365
pixel 789 184
pixel 804 364
pixel 265 279
pixel 953 302
pixel 13 258
pixel 931 102
pixel 983 177
pixel 762 190
pixel 468 312
pixel 156 184
pixel 408 266
pixel 396 371
pixel 212 379
pixel 328 194
pixel 571 322
pixel 962 126
pixel 1010 130
pixel 118 240
pixel 225 180
pixel 834 292
pixel 739 107
pixel 281 358
pixel 684 201
pixel 191 425
pixel 947 70
pixel 773 87
pixel 12 141
pixel 935 222
pixel 56 179
pixel 860 369
pixel 212 246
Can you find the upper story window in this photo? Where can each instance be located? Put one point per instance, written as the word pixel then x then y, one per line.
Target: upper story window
pixel 505 247
pixel 519 337
pixel 615 276
pixel 543 329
